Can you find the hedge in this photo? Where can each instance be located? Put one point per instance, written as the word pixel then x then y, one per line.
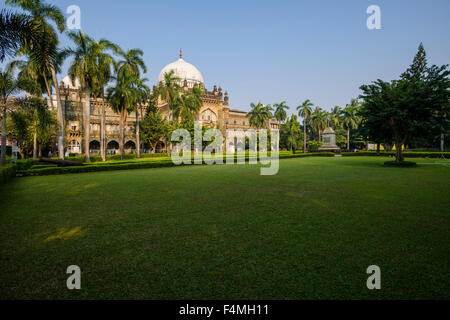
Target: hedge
pixel 129 156
pixel 406 154
pixel 126 165
pixel 7 172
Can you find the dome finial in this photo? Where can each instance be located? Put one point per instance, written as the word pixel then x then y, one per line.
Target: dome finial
pixel 181 54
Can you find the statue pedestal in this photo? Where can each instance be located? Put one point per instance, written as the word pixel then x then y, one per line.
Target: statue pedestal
pixel 329 141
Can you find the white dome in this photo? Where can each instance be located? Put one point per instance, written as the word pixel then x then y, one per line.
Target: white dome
pixel 68 83
pixel 184 71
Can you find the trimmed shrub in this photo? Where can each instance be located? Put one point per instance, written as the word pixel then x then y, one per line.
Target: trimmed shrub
pixel 136 164
pixel 7 172
pixel 25 164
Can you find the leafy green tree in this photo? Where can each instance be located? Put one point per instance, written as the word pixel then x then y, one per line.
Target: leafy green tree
pixel 280 111
pixel 9 85
pixel 154 129
pixel 259 115
pixel 40 121
pixel 305 111
pixel 405 109
pixel 293 133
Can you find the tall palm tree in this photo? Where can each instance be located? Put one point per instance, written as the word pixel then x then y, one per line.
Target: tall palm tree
pixel 142 92
pixel 15 30
pixel 85 68
pixel 350 118
pixel 123 97
pixel 101 78
pixel 259 115
pixel 304 111
pixel 280 111
pixel 189 105
pixel 169 90
pixel 335 116
pixel 318 120
pixel 43 50
pixel 131 62
pixel 9 85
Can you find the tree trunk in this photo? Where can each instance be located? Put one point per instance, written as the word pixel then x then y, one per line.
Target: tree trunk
pixel 102 132
pixel 59 115
pixel 398 151
pixel 49 91
pixel 378 149
pixel 304 135
pixel 442 140
pixel 35 144
pixel 87 123
pixel 3 151
pixel 122 116
pixel 40 151
pixel 348 139
pixel 138 139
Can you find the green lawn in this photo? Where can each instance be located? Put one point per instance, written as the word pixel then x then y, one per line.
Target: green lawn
pixel 225 232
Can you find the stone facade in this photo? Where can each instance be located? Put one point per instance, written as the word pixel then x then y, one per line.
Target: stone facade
pixel 215 113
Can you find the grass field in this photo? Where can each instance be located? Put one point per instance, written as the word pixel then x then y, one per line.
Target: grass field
pixel 225 232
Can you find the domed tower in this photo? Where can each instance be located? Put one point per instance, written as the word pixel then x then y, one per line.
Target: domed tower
pixel 187 73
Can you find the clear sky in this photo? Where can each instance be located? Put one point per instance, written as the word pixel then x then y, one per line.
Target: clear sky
pixel 271 51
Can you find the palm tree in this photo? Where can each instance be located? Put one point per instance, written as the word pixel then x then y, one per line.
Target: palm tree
pixel 318 120
pixel 335 116
pixel 304 111
pixel 43 49
pixel 188 105
pixel 9 85
pixel 123 98
pixel 132 62
pixel 85 68
pixel 142 92
pixel 350 118
pixel 169 90
pixel 259 114
pixel 101 78
pixel 280 111
pixel 15 30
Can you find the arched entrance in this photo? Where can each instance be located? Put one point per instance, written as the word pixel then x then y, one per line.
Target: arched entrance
pixel 129 147
pixel 112 147
pixel 94 147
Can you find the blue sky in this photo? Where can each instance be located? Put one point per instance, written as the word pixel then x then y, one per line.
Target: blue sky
pixel 271 51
